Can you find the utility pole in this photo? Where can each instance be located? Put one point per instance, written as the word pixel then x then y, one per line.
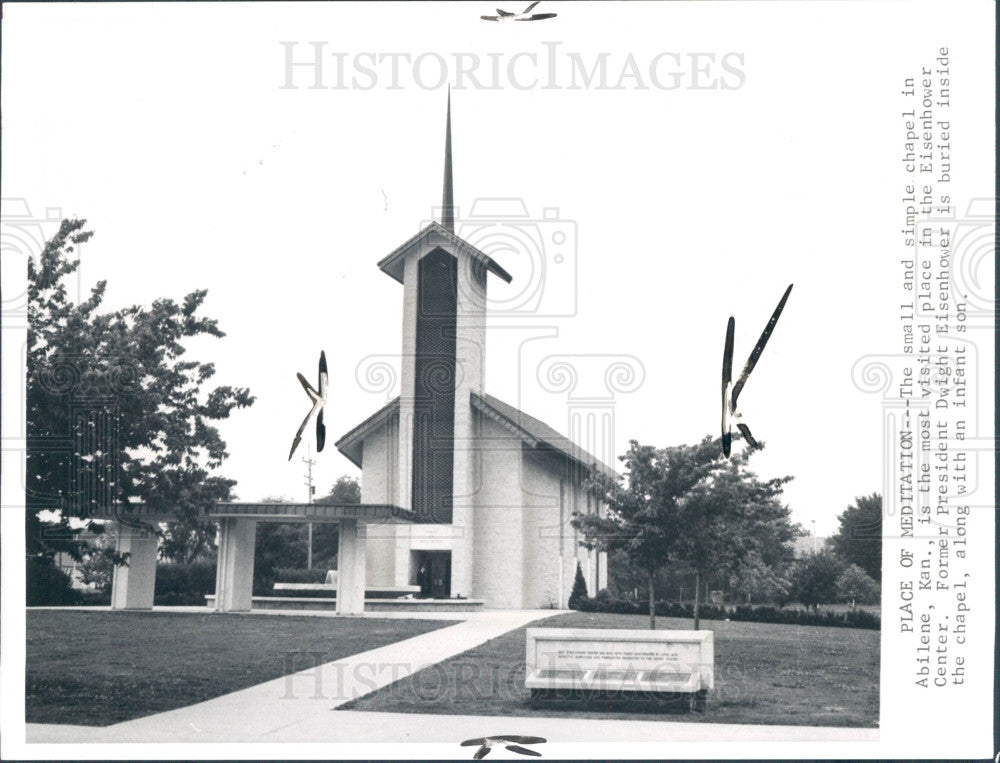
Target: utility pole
pixel 814 536
pixel 312 491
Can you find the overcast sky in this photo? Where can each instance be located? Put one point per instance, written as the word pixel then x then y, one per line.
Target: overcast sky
pixel 168 127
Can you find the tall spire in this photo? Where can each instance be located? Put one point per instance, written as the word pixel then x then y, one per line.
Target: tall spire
pixel 448 197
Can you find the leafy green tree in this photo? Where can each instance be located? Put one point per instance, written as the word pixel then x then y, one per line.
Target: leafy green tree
pixel 814 578
pixel 855 586
pixel 115 414
pixel 859 538
pixel 326 536
pixel 644 516
pixel 346 490
pixel 732 520
pixel 755 580
pixel 98 565
pixel 277 545
pixel 579 591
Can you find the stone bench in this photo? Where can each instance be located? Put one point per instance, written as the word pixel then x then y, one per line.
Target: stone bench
pixel 592 663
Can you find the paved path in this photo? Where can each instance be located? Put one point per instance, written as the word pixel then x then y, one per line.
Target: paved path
pixel 300 708
pixel 347 726
pixel 292 704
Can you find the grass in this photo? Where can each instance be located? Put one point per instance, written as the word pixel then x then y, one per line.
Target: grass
pixel 99 668
pixel 764 674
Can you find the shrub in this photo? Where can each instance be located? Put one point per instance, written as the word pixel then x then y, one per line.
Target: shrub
pixel 47 585
pixel 579 592
pixel 743 612
pixel 292 575
pixel 179 584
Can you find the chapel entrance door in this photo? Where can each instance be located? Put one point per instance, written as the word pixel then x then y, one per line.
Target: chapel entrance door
pixel 434 574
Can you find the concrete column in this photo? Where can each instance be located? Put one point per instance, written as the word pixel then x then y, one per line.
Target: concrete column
pixel 132 586
pixel 351 568
pixel 407 386
pixel 234 571
pixel 470 361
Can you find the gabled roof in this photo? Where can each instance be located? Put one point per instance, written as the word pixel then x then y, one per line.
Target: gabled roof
pixel 431 237
pixel 536 433
pixel 533 432
pixel 350 443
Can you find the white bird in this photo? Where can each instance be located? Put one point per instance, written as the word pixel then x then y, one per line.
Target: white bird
pixel 512 743
pixel 319 401
pixel 730 391
pixel 522 16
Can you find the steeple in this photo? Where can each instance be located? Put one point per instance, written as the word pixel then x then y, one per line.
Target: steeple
pixel 448 197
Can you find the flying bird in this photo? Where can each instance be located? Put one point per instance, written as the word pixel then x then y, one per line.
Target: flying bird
pixel 730 391
pixel 522 16
pixel 512 743
pixel 318 400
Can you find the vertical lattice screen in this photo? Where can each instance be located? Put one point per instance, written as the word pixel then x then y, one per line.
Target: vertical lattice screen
pixel 434 387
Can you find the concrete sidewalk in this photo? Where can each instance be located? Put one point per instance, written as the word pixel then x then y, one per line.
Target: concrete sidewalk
pixel 302 707
pixel 303 700
pixel 346 726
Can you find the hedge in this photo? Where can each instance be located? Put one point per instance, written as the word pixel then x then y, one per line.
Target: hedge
pixel 850 619
pixel 184 584
pixel 291 575
pixel 48 586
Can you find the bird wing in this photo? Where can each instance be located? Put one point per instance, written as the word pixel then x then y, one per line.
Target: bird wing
pixel 489 18
pixel 746 435
pixel 324 376
pixel 727 378
pixel 473 742
pixel 539 17
pixel 313 394
pixel 320 432
pixel 759 347
pixel 727 353
pixel 530 7
pixel 504 13
pixel 523 750
pixel 522 740
pixel 298 435
pixel 481 753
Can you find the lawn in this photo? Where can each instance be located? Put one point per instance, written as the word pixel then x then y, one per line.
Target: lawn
pixel 98 668
pixel 764 674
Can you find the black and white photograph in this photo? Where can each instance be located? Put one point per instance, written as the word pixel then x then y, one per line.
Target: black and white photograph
pixel 412 380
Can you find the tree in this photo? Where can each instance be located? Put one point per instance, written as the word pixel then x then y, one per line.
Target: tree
pixel 579 591
pixel 814 579
pixel 345 490
pixel 644 516
pixel 732 520
pixel 855 586
pixel 326 536
pixel 758 581
pixel 98 565
pixel 115 415
pixel 859 538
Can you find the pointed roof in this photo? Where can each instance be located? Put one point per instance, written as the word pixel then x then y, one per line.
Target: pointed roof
pixel 440 234
pixel 534 433
pixel 430 238
pixel 448 194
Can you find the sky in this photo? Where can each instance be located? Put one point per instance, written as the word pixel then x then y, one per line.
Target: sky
pixel 729 149
pixel 201 161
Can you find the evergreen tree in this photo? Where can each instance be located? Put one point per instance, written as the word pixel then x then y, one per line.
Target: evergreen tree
pixel 579 591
